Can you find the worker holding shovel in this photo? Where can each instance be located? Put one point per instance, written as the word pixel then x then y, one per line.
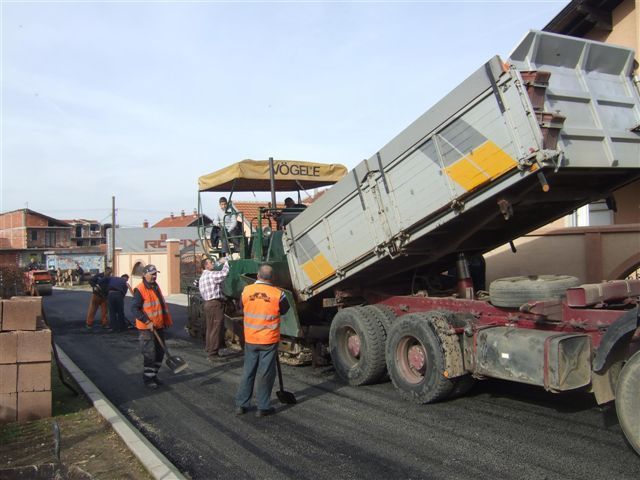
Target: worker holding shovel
pixel 152 317
pixel 263 304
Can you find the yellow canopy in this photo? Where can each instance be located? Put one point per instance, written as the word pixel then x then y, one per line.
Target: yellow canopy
pixel 253 176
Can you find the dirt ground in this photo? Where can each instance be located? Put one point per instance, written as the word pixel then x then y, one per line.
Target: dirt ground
pixel 89 448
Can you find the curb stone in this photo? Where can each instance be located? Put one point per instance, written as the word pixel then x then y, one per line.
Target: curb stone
pixel 153 460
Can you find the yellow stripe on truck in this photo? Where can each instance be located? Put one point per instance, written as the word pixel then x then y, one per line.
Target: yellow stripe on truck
pixel 318 268
pixel 484 163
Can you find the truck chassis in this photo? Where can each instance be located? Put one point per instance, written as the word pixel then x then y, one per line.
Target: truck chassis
pixel 435 348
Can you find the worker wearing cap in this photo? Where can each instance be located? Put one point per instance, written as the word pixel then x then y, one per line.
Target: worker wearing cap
pixel 263 304
pixel 151 313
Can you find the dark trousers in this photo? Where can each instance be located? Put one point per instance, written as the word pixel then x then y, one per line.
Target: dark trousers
pixel 214 321
pixel 116 311
pixel 218 236
pixel 152 353
pixel 259 368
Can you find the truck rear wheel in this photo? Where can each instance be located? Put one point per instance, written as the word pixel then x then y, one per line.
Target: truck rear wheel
pixel 383 313
pixel 511 292
pixel 628 401
pixel 415 360
pixel 356 345
pixel 195 317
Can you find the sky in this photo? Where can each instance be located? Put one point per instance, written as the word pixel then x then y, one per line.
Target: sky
pixel 137 99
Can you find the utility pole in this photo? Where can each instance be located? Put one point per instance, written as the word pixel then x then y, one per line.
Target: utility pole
pixel 113 234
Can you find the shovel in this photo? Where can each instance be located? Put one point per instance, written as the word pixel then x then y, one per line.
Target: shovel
pixel 176 364
pixel 287 398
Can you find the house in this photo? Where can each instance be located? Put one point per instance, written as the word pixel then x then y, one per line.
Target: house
pixel 86 233
pixel 250 210
pixel 25 236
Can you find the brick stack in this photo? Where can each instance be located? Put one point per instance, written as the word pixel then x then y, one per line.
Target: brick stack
pixel 25 361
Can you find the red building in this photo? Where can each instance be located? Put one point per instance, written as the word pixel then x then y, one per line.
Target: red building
pixel 25 235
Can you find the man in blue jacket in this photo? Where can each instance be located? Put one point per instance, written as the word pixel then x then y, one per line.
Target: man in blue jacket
pixel 117 288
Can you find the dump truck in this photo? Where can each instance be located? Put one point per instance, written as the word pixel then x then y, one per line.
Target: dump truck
pixel 386 270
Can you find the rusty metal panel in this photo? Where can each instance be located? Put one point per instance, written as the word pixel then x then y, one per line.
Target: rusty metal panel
pixel 593 293
pixel 556 361
pixel 568 364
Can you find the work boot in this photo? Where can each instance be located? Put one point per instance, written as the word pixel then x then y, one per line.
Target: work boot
pixel 227 352
pixel 240 411
pixel 264 413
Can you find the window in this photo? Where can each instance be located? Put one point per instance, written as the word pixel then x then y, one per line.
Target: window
pixel 137 269
pixel 78 230
pixel 49 238
pixel 34 235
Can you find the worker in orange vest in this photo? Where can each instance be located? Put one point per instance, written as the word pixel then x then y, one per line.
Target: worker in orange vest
pixel 151 313
pixel 263 304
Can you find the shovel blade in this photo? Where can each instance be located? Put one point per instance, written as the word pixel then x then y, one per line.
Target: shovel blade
pixel 286 398
pixel 176 364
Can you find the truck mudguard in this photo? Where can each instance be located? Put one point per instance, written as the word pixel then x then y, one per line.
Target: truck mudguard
pixel 624 326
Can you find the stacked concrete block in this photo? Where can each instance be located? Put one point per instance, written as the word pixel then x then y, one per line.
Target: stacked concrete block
pixel 25 361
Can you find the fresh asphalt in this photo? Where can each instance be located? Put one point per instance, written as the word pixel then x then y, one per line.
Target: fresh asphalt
pixel 499 430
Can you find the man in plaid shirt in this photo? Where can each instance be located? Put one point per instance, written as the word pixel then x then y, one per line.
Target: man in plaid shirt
pixel 210 286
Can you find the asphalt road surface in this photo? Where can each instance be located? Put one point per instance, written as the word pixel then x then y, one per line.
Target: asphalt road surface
pixel 499 430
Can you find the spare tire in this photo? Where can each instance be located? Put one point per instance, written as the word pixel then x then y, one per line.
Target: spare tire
pixel 515 291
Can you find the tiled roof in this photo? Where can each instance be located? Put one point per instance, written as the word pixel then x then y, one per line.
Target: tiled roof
pixel 190 220
pixel 249 210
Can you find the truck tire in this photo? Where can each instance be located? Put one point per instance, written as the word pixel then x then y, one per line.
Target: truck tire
pixel 462 386
pixel 415 360
pixel 356 345
pixel 511 292
pixel 195 318
pixel 628 401
pixel 383 313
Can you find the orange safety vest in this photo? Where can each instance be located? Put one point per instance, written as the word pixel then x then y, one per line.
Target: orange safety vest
pixel 261 304
pixel 153 309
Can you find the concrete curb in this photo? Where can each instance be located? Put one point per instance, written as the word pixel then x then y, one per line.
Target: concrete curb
pixel 152 459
